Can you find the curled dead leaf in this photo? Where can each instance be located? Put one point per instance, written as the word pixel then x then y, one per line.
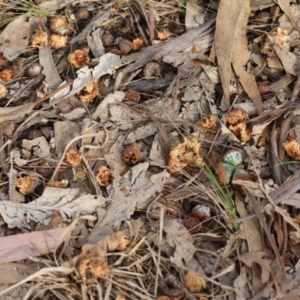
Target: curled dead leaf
pixel 256 257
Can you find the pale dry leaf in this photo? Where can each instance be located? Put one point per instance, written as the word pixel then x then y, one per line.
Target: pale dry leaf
pixel 39 146
pixel 16 156
pixel 141 132
pixel 258 129
pixel 241 55
pixel 288 59
pixel 123 115
pixel 76 113
pixel 135 188
pixel 64 132
pixel 172 47
pixel 248 227
pixel 16 35
pixel 102 111
pixel 179 238
pixel 69 202
pixel 52 78
pixel 194 15
pixel 108 64
pixel 156 155
pixel 95 43
pixel 285 215
pixel 14 272
pixel 256 257
pixel 287 8
pixel 254 241
pixel 36 243
pixel 261 4
pixel 108 243
pixel 240 284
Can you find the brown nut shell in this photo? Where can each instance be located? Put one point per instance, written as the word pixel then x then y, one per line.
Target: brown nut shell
pixel 193 224
pixel 132 155
pixel 132 96
pixel 202 212
pixel 107 39
pixel 125 46
pixel 34 69
pixel 82 13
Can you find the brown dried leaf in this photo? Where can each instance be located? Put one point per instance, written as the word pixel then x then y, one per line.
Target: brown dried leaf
pixel 14 272
pixel 21 246
pixel 256 257
pixel 286 7
pixel 179 238
pixel 16 35
pixel 231 47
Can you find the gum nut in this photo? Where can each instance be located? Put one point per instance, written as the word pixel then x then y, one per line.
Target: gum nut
pixel 233 157
pixel 224 172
